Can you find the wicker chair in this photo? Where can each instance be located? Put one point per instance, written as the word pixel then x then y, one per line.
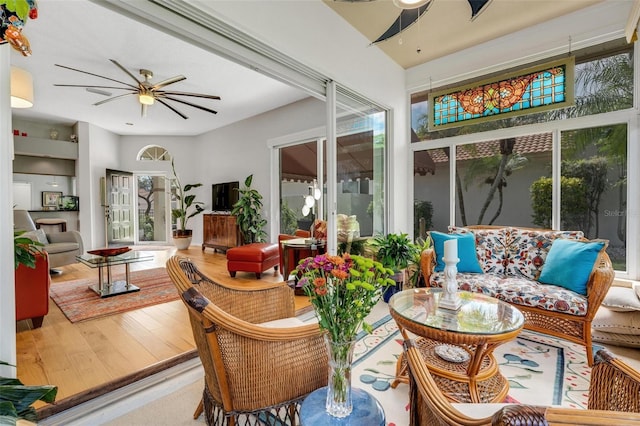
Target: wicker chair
pixel 253 372
pixel 614 387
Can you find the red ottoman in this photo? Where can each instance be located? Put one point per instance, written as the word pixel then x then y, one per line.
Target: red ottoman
pixel 254 257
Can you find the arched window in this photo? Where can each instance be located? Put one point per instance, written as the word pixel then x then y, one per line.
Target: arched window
pixel 154 153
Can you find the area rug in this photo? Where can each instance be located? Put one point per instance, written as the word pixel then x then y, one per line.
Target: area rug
pixel 541 370
pixel 79 303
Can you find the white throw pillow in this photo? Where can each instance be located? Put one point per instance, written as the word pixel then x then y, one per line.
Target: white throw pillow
pixel 621 299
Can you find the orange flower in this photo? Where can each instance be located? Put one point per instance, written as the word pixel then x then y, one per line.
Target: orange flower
pixel 319 282
pixel 341 275
pixel 321 291
pixel 336 260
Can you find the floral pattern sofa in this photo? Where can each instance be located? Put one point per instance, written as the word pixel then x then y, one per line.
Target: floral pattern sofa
pixel 511 260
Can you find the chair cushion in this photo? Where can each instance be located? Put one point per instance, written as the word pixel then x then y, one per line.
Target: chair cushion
pixel 466 251
pixel 519 291
pixel 61 247
pixel 609 321
pixel 581 255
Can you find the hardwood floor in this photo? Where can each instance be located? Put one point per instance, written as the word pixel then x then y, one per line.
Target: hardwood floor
pixel 106 352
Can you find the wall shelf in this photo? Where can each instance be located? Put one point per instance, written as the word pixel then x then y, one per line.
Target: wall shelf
pixel 38 147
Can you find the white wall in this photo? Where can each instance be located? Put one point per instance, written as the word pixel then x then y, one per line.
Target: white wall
pixel 226 154
pixel 93 159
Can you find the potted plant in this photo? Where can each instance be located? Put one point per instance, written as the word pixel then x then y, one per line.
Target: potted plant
pixel 187 207
pixel 16 400
pixel 248 213
pixel 25 250
pixel 394 251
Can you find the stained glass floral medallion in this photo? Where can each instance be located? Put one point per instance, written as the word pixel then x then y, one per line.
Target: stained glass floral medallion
pixel 545 86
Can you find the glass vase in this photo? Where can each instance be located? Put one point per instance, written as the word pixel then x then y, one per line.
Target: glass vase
pixel 339 387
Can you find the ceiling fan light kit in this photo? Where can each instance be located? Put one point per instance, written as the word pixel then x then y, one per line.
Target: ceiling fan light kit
pixel 409 4
pixel 146 92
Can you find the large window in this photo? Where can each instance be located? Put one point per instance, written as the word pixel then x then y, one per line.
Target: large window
pixel 548 170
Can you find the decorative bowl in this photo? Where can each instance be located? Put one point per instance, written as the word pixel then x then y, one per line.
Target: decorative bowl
pixel 109 251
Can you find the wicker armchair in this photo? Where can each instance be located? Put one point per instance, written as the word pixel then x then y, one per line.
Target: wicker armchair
pixel 614 387
pixel 253 372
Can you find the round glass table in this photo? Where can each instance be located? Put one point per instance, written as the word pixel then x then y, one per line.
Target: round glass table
pixel 458 345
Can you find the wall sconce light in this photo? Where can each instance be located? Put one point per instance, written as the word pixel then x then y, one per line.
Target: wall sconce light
pixel 21 88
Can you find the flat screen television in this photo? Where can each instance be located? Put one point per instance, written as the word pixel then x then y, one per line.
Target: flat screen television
pixel 224 195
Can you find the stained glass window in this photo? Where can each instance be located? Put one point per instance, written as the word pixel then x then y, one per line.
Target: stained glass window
pixel 544 87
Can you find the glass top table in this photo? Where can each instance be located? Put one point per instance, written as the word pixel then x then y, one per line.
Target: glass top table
pixel 106 286
pixel 458 344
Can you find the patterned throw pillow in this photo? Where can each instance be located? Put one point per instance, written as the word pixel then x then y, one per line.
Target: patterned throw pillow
pixel 490 247
pixel 528 249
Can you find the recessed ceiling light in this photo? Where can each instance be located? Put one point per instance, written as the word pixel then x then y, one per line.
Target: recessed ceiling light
pixel 129 124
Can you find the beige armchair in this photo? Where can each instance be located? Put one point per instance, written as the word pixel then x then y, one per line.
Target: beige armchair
pixel 62 247
pixel 614 399
pixel 258 358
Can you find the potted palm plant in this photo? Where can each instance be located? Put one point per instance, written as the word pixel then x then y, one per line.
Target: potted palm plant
pixel 394 251
pixel 16 400
pixel 248 213
pixel 187 207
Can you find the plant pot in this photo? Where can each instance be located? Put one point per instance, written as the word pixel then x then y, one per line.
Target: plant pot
pixel 398 277
pixel 182 238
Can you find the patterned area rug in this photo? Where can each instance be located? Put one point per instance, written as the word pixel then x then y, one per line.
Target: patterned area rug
pixel 541 370
pixel 79 303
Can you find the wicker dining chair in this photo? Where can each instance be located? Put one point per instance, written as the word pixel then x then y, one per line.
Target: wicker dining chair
pixel 253 373
pixel 614 399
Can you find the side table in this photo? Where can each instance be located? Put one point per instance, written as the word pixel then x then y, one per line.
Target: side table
pixel 367 411
pixel 295 249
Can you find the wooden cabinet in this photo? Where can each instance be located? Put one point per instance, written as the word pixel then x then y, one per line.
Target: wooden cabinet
pixel 220 231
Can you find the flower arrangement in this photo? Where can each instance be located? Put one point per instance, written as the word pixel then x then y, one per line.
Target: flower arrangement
pixel 343 290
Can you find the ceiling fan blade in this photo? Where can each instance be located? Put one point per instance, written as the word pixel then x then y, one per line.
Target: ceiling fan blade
pixel 172 108
pixel 127 72
pixel 96 75
pixel 196 95
pixel 98 91
pixel 168 81
pixel 104 101
pixel 95 87
pixel 190 104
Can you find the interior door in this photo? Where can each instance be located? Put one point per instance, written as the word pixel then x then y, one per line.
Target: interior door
pixel 120 226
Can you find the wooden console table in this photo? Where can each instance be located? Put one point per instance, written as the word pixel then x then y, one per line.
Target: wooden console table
pixel 220 231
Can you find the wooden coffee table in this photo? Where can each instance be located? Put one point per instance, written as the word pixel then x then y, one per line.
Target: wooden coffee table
pixel 458 345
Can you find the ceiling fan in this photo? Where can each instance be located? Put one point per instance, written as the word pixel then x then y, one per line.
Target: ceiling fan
pixel 146 91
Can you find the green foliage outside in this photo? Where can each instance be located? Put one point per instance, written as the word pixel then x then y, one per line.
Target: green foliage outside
pixel 288 219
pixel 582 185
pixel 422 217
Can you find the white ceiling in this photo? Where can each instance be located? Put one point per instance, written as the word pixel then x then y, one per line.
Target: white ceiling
pixel 84 35
pixel 446 27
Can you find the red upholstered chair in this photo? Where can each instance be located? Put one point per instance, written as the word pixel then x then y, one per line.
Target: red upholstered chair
pixel 32 291
pixel 299 233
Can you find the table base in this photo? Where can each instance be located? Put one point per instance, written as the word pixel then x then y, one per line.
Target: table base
pixel 487 385
pixel 367 411
pixel 114 289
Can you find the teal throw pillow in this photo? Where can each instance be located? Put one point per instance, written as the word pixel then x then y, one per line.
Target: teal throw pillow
pixel 466 251
pixel 569 263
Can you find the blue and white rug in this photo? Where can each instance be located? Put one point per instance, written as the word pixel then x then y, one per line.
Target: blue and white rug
pixel 541 370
